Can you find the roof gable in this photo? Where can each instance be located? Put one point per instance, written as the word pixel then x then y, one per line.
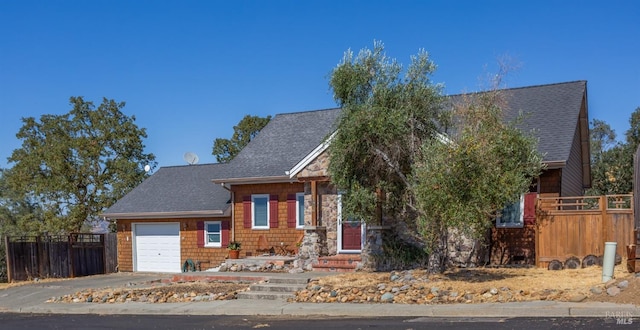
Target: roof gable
pixel 283 143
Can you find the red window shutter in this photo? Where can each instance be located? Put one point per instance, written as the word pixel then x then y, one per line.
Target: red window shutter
pixel 200 228
pixel 225 233
pixel 530 208
pixel 291 210
pixel 246 211
pixel 273 211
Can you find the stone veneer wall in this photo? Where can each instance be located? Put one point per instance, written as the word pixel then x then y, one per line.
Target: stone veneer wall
pixel 464 251
pixel 373 248
pixel 328 217
pixel 313 246
pixel 317 168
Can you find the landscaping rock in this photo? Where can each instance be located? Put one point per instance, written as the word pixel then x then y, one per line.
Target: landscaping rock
pixel 613 291
pixel 623 284
pixel 596 290
pixel 387 297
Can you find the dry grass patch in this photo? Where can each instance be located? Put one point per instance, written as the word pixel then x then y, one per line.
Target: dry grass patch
pixel 5 285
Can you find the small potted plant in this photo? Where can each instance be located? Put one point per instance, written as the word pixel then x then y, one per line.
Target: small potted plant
pixel 234 250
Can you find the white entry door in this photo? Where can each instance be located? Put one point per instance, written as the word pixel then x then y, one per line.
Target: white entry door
pixel 157 247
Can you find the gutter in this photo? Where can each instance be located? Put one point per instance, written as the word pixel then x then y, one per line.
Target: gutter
pixel 165 215
pixel 555 164
pixel 250 180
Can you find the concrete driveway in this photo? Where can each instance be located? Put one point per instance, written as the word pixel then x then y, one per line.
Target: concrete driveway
pixel 37 293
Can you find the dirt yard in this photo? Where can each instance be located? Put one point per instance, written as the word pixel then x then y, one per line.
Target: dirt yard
pixel 476 285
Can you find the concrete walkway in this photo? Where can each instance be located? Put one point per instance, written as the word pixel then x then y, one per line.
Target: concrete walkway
pixel 31 298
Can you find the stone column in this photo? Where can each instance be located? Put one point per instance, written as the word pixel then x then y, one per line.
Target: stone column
pixel 314 245
pixel 373 249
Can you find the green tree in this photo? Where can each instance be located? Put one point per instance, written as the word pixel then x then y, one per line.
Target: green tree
pixel 611 162
pixel 18 214
pixel 388 151
pixel 243 133
pixel 605 151
pixel 76 164
pixel 486 164
pixel 385 119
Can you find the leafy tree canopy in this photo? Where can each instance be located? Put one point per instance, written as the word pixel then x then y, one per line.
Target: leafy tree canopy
pixel 486 164
pixel 611 161
pixel 385 118
pixel 243 133
pixel 75 165
pixel 388 149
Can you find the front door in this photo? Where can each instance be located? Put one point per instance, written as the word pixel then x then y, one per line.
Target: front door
pixel 351 236
pixel 349 232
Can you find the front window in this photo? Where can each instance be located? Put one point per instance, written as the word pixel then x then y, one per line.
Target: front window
pixel 213 233
pixel 512 215
pixel 260 207
pixel 300 210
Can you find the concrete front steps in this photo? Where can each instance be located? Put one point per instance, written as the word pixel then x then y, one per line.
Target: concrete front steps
pixel 280 288
pixel 338 263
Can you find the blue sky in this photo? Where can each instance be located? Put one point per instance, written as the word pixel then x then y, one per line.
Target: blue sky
pixel 190 70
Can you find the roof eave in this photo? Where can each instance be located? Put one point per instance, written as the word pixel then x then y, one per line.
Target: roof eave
pixel 168 215
pixel 253 180
pixel 555 164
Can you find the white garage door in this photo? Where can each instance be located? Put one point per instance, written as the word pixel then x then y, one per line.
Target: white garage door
pixel 157 247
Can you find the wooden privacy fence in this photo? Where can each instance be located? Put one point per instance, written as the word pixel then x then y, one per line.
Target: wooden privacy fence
pixel 72 255
pixel 579 226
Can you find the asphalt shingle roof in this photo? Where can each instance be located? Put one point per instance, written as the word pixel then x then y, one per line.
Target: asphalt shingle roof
pixel 549 111
pixel 552 111
pixel 176 189
pixel 284 142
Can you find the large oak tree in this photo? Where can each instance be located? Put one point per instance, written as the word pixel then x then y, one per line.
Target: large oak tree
pixel 75 165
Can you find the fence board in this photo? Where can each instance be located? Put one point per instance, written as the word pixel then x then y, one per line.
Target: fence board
pixel 564 231
pixel 60 256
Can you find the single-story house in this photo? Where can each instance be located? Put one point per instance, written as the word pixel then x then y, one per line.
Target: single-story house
pixel 277 190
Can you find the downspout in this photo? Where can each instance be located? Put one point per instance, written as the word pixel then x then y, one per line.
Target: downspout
pixel 233 206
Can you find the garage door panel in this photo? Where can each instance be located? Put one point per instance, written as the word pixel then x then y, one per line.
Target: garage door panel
pixel 158 247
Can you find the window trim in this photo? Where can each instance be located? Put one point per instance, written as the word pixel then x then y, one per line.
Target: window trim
pixel 299 217
pixel 519 224
pixel 206 234
pixel 253 211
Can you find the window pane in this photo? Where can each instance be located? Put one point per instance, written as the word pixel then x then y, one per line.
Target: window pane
pixel 213 227
pixel 511 214
pixel 213 238
pixel 260 211
pixel 300 210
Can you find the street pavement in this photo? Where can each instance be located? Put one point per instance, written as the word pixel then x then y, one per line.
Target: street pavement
pixel 31 298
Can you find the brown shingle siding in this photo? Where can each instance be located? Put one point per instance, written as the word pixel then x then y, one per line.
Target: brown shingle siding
pixel 282 233
pixel 209 256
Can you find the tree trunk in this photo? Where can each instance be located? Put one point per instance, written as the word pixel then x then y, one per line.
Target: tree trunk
pixel 438 257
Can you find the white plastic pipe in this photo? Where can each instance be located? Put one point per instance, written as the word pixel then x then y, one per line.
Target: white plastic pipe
pixel 609 261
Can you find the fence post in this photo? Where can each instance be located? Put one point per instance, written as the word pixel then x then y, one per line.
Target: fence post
pixel 72 267
pixel 603 216
pixel 104 253
pixel 536 228
pixel 8 261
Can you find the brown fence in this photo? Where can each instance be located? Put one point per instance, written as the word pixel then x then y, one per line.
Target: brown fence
pixel 64 256
pixel 579 226
pixel 636 186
